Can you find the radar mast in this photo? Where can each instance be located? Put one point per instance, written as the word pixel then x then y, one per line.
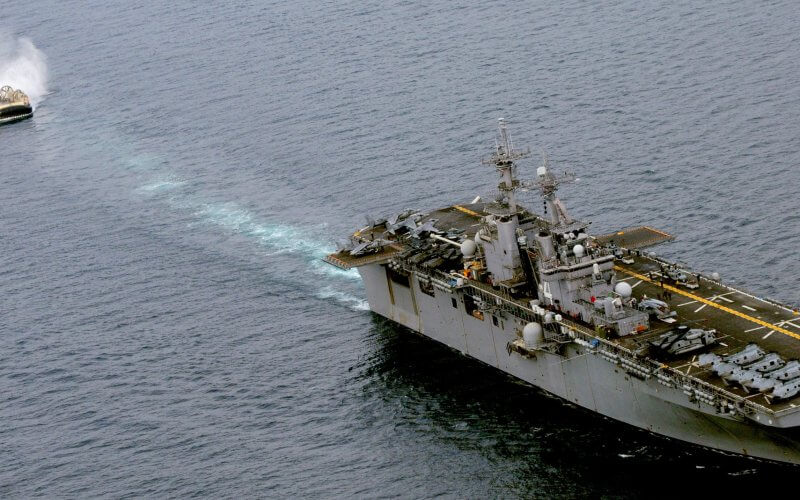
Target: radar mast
pixel 503 160
pixel 547 183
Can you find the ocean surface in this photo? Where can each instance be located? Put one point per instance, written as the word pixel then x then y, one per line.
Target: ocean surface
pixel 167 328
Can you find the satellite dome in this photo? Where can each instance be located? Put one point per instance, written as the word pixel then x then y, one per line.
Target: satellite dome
pixel 468 248
pixel 623 289
pixel 579 251
pixel 532 334
pixel 715 276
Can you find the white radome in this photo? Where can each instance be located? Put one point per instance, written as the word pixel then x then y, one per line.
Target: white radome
pixel 468 248
pixel 532 334
pixel 623 289
pixel 579 251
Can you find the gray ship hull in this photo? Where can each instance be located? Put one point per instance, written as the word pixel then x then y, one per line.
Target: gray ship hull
pixel 576 373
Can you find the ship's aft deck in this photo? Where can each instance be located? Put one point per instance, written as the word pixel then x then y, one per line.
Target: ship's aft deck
pixel 739 318
pixel 462 218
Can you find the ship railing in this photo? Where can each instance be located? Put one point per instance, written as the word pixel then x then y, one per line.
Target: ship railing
pixel 636 365
pixel 693 387
pixel 517 309
pixel 488 294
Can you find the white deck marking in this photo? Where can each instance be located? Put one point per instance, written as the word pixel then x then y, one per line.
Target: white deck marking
pixel 625 279
pixel 754 329
pixel 636 284
pixel 749 308
pixel 687 303
pixel 721 296
pixel 787 322
pixel 723 344
pixel 768 334
pixel 715 305
pixel 700 308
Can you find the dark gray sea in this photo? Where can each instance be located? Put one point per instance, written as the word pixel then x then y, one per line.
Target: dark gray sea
pixel 167 328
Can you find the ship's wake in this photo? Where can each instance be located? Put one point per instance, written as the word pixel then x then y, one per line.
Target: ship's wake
pixel 277 238
pixel 285 239
pixel 23 67
pixel 328 292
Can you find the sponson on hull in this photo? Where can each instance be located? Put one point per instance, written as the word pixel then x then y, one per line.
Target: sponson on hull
pixel 592 319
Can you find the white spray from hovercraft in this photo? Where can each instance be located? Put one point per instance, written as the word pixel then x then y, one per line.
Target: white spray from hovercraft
pixel 23 67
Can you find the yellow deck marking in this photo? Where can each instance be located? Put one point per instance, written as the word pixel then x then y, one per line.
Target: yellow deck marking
pixel 466 210
pixel 713 304
pixel 659 232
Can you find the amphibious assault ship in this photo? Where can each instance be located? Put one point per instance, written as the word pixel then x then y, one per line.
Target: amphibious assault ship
pixel 14 105
pixel 596 320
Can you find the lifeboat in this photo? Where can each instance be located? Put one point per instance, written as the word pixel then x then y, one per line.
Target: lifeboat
pixel 14 105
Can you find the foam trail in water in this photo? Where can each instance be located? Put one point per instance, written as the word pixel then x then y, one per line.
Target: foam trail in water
pixel 281 238
pixel 350 301
pixel 164 185
pixel 23 67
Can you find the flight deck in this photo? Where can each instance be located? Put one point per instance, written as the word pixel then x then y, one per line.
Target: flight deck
pixel 740 318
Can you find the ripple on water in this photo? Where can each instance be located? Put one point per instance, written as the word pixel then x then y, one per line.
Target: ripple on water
pixel 168 328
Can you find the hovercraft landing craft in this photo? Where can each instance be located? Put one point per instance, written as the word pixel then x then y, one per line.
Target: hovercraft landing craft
pixel 14 105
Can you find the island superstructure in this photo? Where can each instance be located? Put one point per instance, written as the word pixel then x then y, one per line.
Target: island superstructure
pixel 593 319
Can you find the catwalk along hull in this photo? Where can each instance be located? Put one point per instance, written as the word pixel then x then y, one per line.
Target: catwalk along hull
pixel 581 374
